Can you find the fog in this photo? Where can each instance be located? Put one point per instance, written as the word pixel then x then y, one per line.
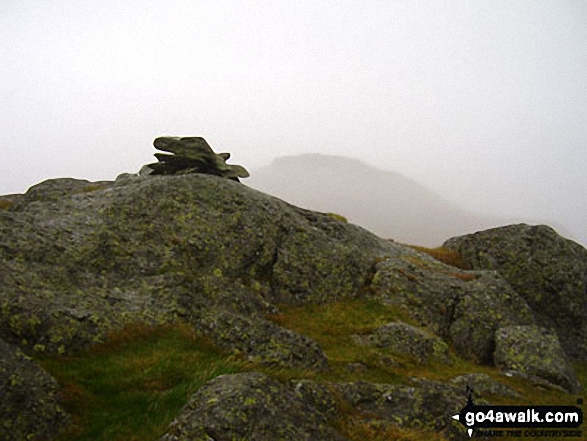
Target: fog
pixel 484 102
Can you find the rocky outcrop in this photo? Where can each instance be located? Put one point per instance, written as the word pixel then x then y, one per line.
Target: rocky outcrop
pixel 79 260
pixel 535 353
pixel 262 341
pixel 547 270
pixel 465 308
pixel 78 265
pixel 401 338
pixel 224 408
pixel 29 399
pixel 484 386
pixel 249 406
pixel 424 405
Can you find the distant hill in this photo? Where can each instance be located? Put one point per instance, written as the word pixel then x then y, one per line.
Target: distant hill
pixel 384 202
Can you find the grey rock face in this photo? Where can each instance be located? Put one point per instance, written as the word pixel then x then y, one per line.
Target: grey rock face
pixel 549 271
pixel 483 386
pixel 76 266
pixel 427 405
pixel 54 189
pixel 29 402
pixel 465 308
pixel 249 406
pixel 534 352
pixel 262 341
pixel 410 340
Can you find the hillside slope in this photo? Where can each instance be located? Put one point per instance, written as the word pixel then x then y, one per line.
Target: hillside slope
pixel 384 202
pixel 318 321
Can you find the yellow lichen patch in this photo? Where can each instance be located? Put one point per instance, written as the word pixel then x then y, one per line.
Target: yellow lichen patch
pixel 338 217
pixel 90 188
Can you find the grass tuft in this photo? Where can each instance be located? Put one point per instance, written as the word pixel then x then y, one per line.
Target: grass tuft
pixel 338 217
pixel 5 204
pixel 446 256
pixel 134 384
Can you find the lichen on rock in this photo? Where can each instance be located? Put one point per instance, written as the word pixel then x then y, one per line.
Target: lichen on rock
pixel 402 338
pixel 535 353
pixel 30 406
pixel 547 270
pixel 464 311
pixel 249 406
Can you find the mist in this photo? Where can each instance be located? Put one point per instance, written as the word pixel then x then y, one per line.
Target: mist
pixel 483 102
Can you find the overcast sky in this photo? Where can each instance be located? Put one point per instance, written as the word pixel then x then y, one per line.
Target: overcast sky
pixel 483 101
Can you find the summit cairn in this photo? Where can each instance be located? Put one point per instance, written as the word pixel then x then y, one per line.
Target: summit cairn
pixel 192 155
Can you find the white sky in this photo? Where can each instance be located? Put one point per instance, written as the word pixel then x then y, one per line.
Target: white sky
pixel 483 101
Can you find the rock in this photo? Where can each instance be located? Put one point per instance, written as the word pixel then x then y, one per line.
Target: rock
pixel 464 308
pixel 156 250
pixel 483 385
pixel 193 155
pixel 547 270
pixel 145 171
pixel 318 395
pixel 355 368
pixel 263 342
pixel 54 189
pixel 29 403
pixel 405 339
pixel 126 176
pixel 428 405
pixel 249 406
pixel 534 352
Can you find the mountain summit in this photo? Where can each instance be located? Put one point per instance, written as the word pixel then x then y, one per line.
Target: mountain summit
pixel 386 203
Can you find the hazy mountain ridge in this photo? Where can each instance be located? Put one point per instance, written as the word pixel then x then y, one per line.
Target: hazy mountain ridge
pixel 387 203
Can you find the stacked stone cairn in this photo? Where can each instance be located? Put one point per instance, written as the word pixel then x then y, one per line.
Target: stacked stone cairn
pixel 192 155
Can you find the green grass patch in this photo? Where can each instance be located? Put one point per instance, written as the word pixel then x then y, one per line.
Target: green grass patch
pixel 132 386
pixel 333 325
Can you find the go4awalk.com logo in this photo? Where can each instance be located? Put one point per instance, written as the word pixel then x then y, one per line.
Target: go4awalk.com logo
pixel 555 422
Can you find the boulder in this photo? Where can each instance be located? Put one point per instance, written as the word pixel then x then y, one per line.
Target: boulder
pixel 78 266
pixel 547 270
pixel 249 406
pixel 484 386
pixel 401 338
pixel 424 405
pixel 54 189
pixel 464 308
pixel 262 341
pixel 535 353
pixel 29 405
